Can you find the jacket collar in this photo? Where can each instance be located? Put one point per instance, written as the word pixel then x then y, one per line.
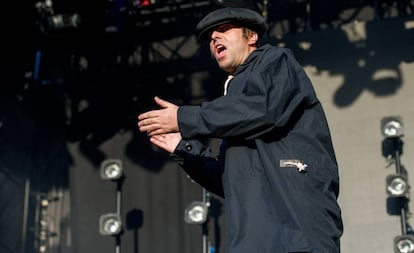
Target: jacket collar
pixel 251 58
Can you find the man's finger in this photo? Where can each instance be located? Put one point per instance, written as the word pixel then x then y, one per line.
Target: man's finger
pixel 147 115
pixel 157 139
pixel 144 122
pixel 142 125
pixel 149 122
pixel 147 127
pixel 156 131
pixel 152 133
pixel 142 116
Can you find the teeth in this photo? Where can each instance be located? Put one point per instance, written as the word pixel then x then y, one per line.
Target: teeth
pixel 220 48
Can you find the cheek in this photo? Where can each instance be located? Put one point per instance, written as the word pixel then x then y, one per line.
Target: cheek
pixel 211 48
pixel 211 54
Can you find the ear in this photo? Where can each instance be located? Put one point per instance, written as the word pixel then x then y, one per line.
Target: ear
pixel 253 37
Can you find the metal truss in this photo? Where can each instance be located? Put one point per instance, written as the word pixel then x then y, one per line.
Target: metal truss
pixel 160 34
pixel 288 17
pixel 165 20
pixel 165 32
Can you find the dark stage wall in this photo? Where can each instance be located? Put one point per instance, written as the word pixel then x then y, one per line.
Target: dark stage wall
pixel 155 195
pixel 39 162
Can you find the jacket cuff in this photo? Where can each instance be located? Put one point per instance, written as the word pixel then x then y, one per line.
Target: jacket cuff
pixel 188 148
pixel 188 120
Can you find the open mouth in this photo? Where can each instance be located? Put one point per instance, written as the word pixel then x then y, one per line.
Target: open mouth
pixel 220 49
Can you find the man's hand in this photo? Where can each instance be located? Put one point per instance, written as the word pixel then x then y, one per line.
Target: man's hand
pixel 168 142
pixel 160 121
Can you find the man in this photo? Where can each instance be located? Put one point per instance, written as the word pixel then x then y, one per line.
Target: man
pixel 276 169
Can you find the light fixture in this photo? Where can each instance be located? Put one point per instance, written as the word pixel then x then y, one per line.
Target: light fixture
pixel 392 127
pixel 111 169
pixel 64 21
pixel 397 185
pixel 110 224
pixel 404 243
pixel 49 20
pixel 196 213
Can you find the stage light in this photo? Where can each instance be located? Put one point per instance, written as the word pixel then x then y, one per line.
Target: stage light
pixel 110 224
pixel 196 213
pixel 397 185
pixel 111 169
pixel 404 243
pixel 51 20
pixel 64 21
pixel 392 127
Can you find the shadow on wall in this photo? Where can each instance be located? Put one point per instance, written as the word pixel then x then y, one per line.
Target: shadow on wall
pixel 104 103
pixel 368 55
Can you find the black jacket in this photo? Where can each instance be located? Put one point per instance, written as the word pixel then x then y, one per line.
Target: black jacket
pixel 276 169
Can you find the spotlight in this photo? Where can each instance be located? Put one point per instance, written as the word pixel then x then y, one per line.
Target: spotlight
pixel 404 243
pixel 397 185
pixel 110 224
pixel 111 169
pixel 196 213
pixel 392 127
pixel 64 21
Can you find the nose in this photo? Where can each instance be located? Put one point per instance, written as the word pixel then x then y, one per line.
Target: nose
pixel 214 35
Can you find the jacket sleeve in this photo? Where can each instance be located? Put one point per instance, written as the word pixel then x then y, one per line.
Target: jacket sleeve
pixel 269 96
pixel 200 164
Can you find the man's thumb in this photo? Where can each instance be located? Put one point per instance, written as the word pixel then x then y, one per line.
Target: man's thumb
pixel 161 102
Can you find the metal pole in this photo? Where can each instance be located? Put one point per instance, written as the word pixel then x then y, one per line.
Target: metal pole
pixel 25 212
pixel 398 168
pixel 403 220
pixel 398 161
pixel 206 201
pixel 118 211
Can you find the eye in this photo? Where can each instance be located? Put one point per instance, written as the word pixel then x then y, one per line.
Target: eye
pixel 225 27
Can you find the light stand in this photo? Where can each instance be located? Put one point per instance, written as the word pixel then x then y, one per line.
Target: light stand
pixel 397 185
pixel 110 224
pixel 119 184
pixel 206 244
pixel 197 213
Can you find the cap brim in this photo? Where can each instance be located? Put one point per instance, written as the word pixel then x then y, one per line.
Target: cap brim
pixel 205 33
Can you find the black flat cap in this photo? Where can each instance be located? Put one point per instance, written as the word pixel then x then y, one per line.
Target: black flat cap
pixel 238 16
